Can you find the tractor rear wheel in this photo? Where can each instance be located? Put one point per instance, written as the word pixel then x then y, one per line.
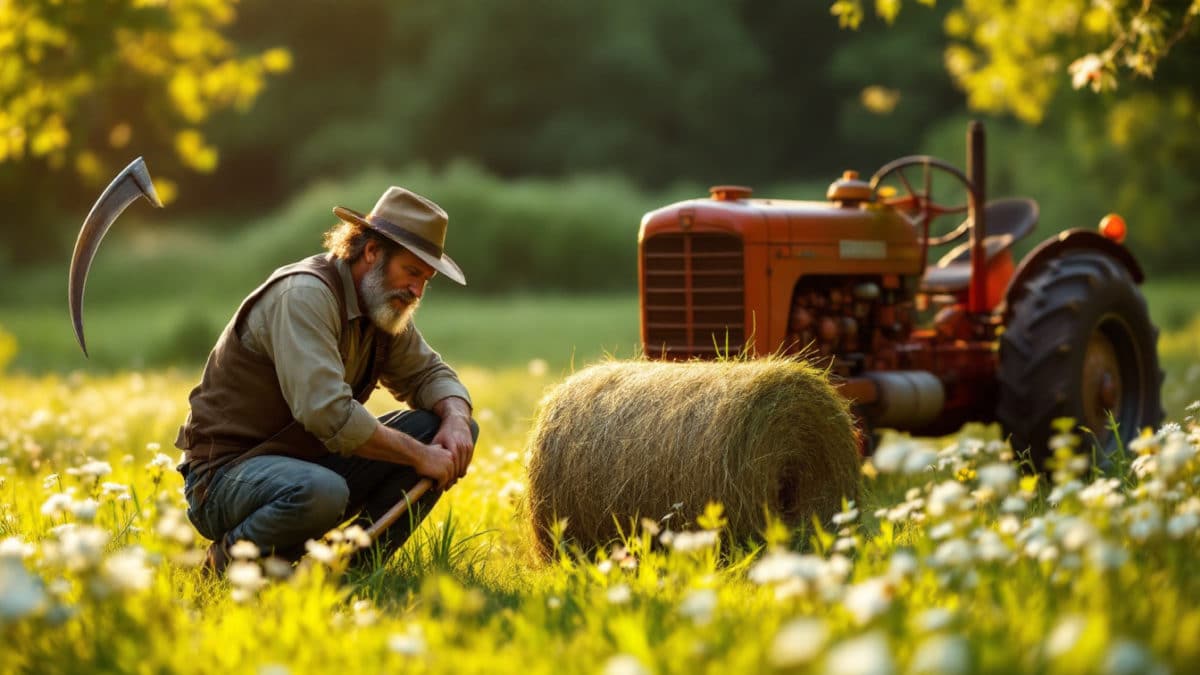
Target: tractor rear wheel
pixel 1079 343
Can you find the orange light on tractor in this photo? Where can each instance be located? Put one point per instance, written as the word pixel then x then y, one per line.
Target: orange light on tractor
pixel 1112 227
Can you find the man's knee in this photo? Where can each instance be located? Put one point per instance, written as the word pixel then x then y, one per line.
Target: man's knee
pixel 422 425
pixel 322 499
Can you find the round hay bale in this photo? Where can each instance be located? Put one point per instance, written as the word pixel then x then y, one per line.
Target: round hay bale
pixel 627 439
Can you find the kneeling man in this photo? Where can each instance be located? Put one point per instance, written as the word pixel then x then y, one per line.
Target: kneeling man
pixel 278 447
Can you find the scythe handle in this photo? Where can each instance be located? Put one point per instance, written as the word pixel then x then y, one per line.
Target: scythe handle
pixel 401 506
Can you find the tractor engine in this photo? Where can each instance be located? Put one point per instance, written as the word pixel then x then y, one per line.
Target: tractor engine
pixel 848 322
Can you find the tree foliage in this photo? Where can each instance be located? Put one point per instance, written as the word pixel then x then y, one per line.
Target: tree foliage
pixel 82 81
pixel 1012 57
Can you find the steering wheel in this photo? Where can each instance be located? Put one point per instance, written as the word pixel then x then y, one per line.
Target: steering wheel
pixel 919 206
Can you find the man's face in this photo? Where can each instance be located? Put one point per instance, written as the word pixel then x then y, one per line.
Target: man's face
pixel 393 286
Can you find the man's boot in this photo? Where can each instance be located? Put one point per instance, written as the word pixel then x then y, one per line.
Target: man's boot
pixel 218 557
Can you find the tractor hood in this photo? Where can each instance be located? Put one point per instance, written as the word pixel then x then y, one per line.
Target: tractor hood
pixel 860 225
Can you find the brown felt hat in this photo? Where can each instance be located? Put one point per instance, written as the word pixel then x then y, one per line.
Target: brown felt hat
pixel 412 221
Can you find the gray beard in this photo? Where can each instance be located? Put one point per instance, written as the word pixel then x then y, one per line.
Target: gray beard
pixel 378 299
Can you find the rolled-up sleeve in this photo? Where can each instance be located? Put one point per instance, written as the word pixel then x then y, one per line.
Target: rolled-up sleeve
pixel 300 332
pixel 415 373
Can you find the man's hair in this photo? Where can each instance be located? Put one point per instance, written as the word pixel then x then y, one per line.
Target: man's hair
pixel 348 241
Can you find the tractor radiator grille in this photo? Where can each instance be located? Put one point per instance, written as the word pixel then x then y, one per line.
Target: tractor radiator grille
pixel 694 295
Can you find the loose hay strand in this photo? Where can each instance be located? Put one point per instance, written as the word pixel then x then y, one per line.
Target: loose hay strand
pixel 624 439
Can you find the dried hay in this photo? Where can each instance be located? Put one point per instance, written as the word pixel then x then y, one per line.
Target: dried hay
pixel 621 440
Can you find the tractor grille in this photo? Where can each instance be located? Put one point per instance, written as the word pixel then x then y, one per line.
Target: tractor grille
pixel 694 295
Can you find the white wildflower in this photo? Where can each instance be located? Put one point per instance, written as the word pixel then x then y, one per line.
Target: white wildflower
pixel 276 567
pixel 409 643
pixel 320 551
pixel 1048 554
pixel 1126 657
pixel 903 565
pixel 604 567
pixel 845 517
pixel 798 642
pixel 84 509
pixel 1182 525
pixel 1175 455
pixel 173 525
pixel 867 654
pixel 889 457
pixel 57 504
pixel 934 619
pixel 954 554
pixel 244 549
pixel 160 463
pixel 941 654
pixel 919 460
pixel 511 492
pixel 554 602
pixel 364 613
pixel 946 497
pixel 689 541
pixel 1106 556
pixel 837 568
pixel 1061 492
pixel 869 599
pixel 699 605
pixel 91 471
pixel 82 547
pixel 619 594
pixel 127 571
pixel 624 664
pixel 1103 492
pixel 1009 525
pixel 1065 635
pixel 110 489
pixel 1144 520
pixel 15 548
pixel 357 536
pixel 21 593
pixel 50 481
pixel 538 367
pixel 998 477
pixel 1155 488
pixel 989 547
pixel 244 574
pixel 942 530
pixel 1076 533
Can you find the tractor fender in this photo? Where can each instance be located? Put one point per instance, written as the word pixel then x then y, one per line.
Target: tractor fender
pixel 1057 246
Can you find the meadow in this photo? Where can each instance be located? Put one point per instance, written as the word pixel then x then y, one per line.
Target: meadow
pixel 953 560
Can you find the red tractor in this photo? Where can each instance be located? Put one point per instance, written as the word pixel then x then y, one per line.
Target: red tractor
pixel 923 331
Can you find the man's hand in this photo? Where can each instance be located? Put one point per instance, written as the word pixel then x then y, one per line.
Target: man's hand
pixel 455 433
pixel 436 462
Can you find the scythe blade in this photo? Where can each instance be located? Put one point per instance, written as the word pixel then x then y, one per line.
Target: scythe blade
pixel 133 182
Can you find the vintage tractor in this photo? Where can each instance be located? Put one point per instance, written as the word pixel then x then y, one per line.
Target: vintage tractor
pixel 916 342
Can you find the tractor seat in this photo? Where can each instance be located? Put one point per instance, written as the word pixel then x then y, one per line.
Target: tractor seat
pixel 1008 221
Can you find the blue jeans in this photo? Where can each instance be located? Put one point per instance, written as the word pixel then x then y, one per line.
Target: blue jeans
pixel 279 502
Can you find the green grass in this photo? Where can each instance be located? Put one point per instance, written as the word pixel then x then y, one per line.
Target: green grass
pixel 929 570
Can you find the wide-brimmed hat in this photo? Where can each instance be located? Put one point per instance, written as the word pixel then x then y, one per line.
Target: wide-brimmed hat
pixel 412 221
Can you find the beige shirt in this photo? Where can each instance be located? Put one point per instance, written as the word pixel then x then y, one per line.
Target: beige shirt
pixel 296 323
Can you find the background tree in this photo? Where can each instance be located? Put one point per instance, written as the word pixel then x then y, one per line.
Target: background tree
pixel 83 82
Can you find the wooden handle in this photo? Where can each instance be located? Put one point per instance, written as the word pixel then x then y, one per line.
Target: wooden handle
pixel 401 506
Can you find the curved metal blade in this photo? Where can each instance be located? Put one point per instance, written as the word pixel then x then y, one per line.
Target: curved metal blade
pixel 133 182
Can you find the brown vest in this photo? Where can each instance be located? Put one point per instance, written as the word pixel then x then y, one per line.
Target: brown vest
pixel 238 410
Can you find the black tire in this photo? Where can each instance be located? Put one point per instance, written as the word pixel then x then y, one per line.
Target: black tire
pixel 1079 342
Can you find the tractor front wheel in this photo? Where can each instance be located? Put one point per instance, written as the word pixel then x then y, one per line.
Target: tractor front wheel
pixel 1079 344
